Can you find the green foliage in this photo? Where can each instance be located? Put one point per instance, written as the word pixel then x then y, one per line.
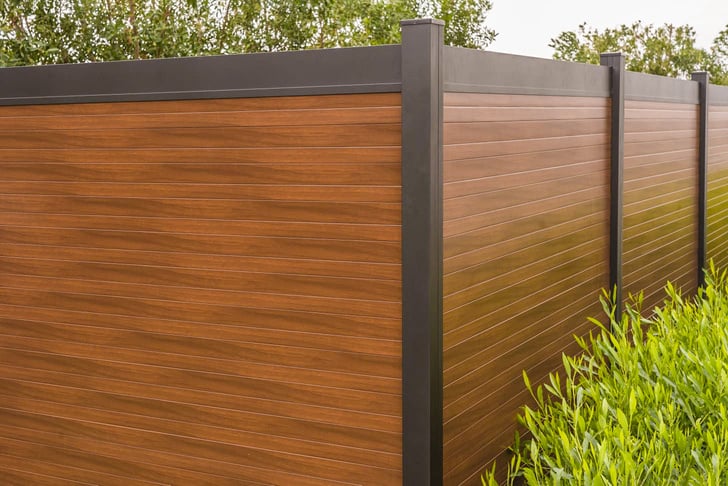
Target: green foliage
pixel 665 50
pixel 646 403
pixel 66 31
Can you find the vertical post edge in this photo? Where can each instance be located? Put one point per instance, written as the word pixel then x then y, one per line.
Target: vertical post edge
pixel 703 79
pixel 616 63
pixel 422 95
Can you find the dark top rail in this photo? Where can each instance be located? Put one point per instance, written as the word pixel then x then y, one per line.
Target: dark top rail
pixel 315 72
pixel 473 71
pixel 718 95
pixel 650 87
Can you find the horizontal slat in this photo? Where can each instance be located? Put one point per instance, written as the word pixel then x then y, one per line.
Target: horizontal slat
pixel 377 336
pixel 658 105
pixel 207 105
pixel 672 113
pixel 162 312
pixel 206 279
pixel 511 165
pixel 321 212
pixel 457 114
pixel 634 149
pixel 509 100
pixel 490 149
pixel 476 132
pixel 222 137
pixel 207 119
pixel 210 155
pixel 99 291
pixel 349 175
pixel 248 192
pixel 207 261
pixel 660 134
pixel 270 247
pixel 291 229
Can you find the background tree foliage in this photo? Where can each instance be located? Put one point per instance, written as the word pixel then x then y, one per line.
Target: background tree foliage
pixel 666 50
pixel 66 31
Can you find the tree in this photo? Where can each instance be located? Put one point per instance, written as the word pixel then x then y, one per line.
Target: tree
pixel 718 63
pixel 65 31
pixel 666 50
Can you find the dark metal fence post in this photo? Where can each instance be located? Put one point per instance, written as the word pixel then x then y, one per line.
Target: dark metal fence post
pixel 616 63
pixel 422 42
pixel 703 78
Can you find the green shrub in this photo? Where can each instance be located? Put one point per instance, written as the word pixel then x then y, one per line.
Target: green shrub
pixel 645 404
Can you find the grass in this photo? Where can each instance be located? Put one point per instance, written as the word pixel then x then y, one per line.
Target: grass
pixel 645 404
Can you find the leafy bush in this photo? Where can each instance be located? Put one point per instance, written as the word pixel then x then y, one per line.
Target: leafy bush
pixel 646 403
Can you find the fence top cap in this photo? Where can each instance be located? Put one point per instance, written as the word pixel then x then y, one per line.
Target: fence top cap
pixel 421 21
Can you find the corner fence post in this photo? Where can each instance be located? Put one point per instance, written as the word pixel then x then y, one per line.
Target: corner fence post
pixel 703 79
pixel 422 42
pixel 616 63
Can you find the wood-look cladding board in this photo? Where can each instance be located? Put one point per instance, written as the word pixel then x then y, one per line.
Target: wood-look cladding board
pixel 717 247
pixel 526 194
pixel 201 292
pixel 660 198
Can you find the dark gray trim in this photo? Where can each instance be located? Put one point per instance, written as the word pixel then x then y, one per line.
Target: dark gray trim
pixel 703 80
pixel 616 63
pixel 718 95
pixel 422 42
pixel 315 72
pixel 473 71
pixel 649 87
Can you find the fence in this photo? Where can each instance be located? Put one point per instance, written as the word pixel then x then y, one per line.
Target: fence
pixel 330 266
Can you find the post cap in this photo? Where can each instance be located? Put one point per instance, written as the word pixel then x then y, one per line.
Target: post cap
pixel 421 22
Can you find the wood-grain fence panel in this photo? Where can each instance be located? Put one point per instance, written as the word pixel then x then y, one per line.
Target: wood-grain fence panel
pixel 526 189
pixel 660 198
pixel 201 292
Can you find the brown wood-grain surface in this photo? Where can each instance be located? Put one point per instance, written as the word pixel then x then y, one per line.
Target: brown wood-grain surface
pixel 526 194
pixel 201 292
pixel 660 199
pixel 717 234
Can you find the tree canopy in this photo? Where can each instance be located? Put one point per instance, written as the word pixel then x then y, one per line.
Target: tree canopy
pixel 667 50
pixel 67 31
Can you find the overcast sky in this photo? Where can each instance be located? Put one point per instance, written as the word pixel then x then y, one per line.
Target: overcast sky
pixel 526 26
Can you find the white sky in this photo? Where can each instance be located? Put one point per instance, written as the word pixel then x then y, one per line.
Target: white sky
pixel 527 26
